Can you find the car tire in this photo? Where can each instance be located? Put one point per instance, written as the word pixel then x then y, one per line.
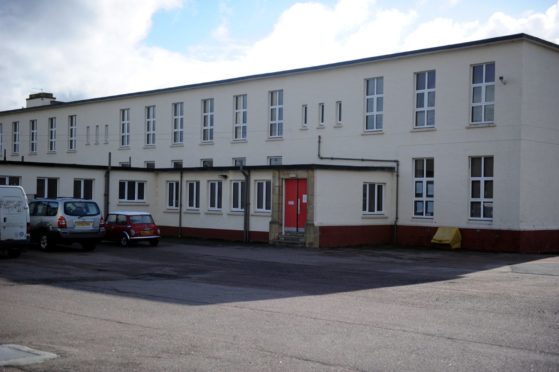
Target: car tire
pixel 154 242
pixel 89 246
pixel 45 242
pixel 14 253
pixel 124 241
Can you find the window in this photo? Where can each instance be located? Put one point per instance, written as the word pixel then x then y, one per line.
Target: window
pixel 276 113
pixel 33 136
pixel 10 180
pixel 47 187
pixel 374 102
pixel 373 198
pixel 131 190
pixel 321 114
pixel 208 120
pixel 125 164
pixel 176 164
pixel 425 99
pixel 15 137
pixel 238 195
pixel 483 93
pixel 83 188
pixel 239 162
pixel 106 133
pixel 304 116
pixel 150 125
pixel 481 187
pixel 193 194
pixel 96 134
pixel 215 195
pixel 263 196
pixel 339 113
pixel 72 135
pixel 173 194
pixel 240 117
pixel 274 160
pixel 150 164
pixel 424 184
pixel 52 134
pixel 178 123
pixel 124 127
pixel 206 163
pixel 87 135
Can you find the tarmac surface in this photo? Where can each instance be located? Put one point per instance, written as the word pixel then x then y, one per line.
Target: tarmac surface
pixel 207 306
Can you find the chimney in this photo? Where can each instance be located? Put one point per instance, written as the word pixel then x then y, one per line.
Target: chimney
pixel 40 99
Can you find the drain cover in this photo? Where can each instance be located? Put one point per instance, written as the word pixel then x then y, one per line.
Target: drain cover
pixel 17 355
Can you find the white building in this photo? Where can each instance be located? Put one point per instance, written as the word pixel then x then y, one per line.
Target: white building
pixel 364 152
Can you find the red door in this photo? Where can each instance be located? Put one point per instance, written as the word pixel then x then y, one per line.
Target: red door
pixel 295 204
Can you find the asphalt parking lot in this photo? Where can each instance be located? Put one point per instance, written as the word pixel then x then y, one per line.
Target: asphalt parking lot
pixel 206 306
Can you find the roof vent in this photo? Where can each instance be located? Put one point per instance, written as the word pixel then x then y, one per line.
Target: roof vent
pixel 40 99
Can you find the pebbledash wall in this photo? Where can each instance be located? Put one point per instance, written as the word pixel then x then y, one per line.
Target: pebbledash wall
pixel 490 141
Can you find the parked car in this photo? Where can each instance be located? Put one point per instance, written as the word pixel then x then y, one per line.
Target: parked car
pixel 14 220
pixel 131 226
pixel 65 221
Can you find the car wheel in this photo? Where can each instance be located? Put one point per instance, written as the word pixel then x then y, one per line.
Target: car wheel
pixel 14 253
pixel 89 246
pixel 45 243
pixel 154 242
pixel 124 241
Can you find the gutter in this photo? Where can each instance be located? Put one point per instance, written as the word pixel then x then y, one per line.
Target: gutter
pixel 246 216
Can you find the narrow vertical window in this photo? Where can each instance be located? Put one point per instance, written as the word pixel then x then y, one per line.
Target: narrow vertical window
pixel 373 198
pixel 276 114
pixel 150 126
pixel 374 103
pixel 263 196
pixel 215 195
pixel 193 195
pixel 87 135
pixel 481 187
pixel 240 117
pixel 33 136
pixel 72 133
pixel 424 187
pixel 425 99
pixel 124 127
pixel 15 137
pixel 106 133
pixel 304 116
pixel 483 93
pixel 173 194
pixel 208 120
pixel 321 114
pixel 96 134
pixel 52 134
pixel 339 113
pixel 237 195
pixel 178 123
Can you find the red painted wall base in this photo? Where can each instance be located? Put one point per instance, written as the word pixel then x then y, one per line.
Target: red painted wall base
pixel 218 234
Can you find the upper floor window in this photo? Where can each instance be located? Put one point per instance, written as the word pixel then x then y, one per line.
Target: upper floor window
pixel 150 125
pixel 124 127
pixel 321 115
pixel 237 195
pixel 425 99
pixel 52 134
pixel 208 120
pixel 177 164
pixel 33 139
pixel 339 113
pixel 304 116
pixel 15 137
pixel 215 195
pixel 374 103
pixel 173 194
pixel 207 163
pixel 178 123
pixel 275 160
pixel 239 162
pixel 276 114
pixel 373 194
pixel 97 134
pixel 131 190
pixel 240 117
pixel 87 135
pixel 106 133
pixel 424 185
pixel 150 164
pixel 481 187
pixel 72 135
pixel 483 93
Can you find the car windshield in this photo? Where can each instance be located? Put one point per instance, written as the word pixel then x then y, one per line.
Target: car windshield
pixel 81 208
pixel 144 218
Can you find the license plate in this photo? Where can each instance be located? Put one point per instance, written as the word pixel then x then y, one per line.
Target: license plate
pixel 83 224
pixel 147 232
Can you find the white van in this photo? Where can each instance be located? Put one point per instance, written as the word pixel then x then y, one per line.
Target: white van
pixel 14 220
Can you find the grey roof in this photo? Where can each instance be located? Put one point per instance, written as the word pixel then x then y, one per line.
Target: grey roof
pixel 470 44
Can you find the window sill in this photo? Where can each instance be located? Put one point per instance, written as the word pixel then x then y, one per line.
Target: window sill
pixel 125 202
pixel 243 140
pixel 149 147
pixel 124 148
pixel 32 154
pixel 372 132
pixel 177 145
pixel 172 211
pixel 304 128
pixel 374 216
pixel 261 214
pixel 423 218
pixel 236 213
pixel 206 143
pixel 71 151
pixel 215 212
pixel 274 139
pixel 321 126
pixel 423 129
pixel 48 153
pixel 191 211
pixel 481 222
pixel 480 125
pixel 338 125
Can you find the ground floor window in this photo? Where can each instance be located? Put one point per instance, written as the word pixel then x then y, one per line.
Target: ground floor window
pixel 193 194
pixel 238 195
pixel 424 187
pixel 131 190
pixel 83 189
pixel 10 180
pixel 47 187
pixel 481 187
pixel 215 195
pixel 173 194
pixel 373 194
pixel 263 196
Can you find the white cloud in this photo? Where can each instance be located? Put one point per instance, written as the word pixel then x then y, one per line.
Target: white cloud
pixel 83 49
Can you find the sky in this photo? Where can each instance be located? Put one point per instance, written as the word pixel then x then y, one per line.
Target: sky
pixel 79 49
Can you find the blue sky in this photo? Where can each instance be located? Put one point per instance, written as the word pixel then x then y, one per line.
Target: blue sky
pixel 83 49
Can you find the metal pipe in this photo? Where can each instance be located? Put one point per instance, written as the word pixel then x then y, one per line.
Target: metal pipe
pixel 180 203
pixel 246 220
pixel 107 186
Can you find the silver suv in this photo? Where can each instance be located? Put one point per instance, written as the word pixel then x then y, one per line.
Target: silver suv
pixel 65 220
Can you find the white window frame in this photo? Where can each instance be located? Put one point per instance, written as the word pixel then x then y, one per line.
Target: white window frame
pixel 483 94
pixel 339 117
pixel 125 128
pixel 275 160
pixel 10 180
pixel 208 120
pixel 425 96
pixel 193 195
pixel 87 135
pixel 321 114
pixel 72 132
pixel 238 195
pixel 97 134
pixel 275 125
pixel 240 117
pixel 304 116
pixel 371 207
pixel 173 194
pixel 106 133
pixel 263 196
pixel 207 163
pixel 33 142
pixel 150 125
pixel 52 134
pixel 215 195
pixel 46 181
pixel 374 104
pixel 83 184
pixel 15 137
pixel 485 199
pixel 178 123
pixel 237 162
pixel 424 187
pixel 139 190
pixel 150 164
